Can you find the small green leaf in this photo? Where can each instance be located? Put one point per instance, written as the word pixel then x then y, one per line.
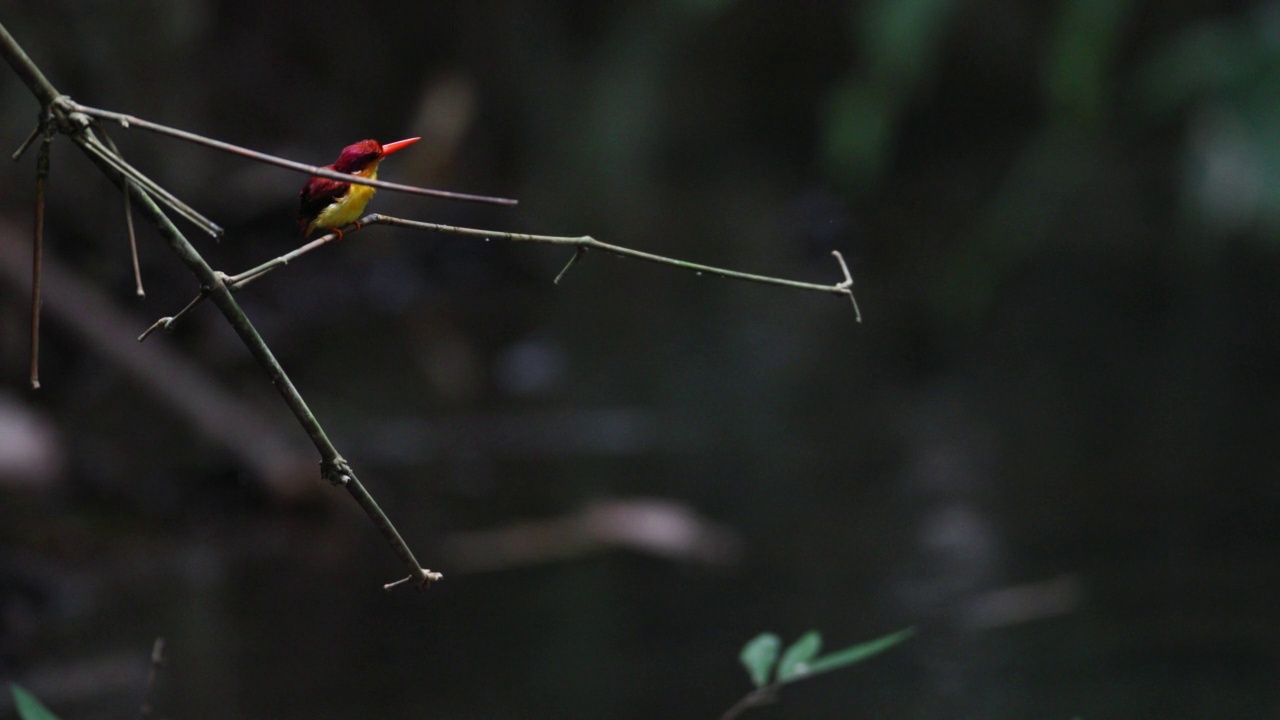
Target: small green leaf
pixel 29 708
pixel 795 661
pixel 758 657
pixel 857 653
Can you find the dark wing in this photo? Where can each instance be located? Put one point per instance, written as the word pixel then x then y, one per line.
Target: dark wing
pixel 318 194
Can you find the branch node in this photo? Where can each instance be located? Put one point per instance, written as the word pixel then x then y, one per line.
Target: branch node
pixel 423 578
pixel 577 255
pixel 165 322
pixel 336 471
pixel 846 287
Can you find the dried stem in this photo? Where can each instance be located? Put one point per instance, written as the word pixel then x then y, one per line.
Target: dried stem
pixel 37 248
pixel 128 222
pixel 586 242
pixel 92 145
pixel 580 244
pixel 129 121
pixel 22 149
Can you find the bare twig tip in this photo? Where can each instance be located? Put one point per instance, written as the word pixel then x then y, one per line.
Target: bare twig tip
pixel 391 585
pixel 846 287
pixel 22 149
pixel 577 255
pixel 424 577
pixel 161 323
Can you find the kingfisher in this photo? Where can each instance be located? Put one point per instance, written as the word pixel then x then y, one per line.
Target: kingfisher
pixel 328 204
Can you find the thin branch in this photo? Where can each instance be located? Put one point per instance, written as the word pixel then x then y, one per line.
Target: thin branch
pixel 129 121
pixel 236 282
pixel 22 149
pixel 577 255
pixel 129 172
pixel 128 222
pixel 166 323
pixel 240 280
pixel 37 247
pixel 581 246
pixel 133 245
pixel 847 285
pixel 586 242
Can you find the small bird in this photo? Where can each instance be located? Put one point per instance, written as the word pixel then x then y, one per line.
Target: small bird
pixel 327 204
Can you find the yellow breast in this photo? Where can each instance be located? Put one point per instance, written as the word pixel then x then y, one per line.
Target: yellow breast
pixel 350 207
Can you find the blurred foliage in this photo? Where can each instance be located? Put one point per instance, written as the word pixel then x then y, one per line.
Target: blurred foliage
pixel 1080 67
pixel 1222 76
pixel 899 43
pixel 760 656
pixel 800 660
pixel 28 706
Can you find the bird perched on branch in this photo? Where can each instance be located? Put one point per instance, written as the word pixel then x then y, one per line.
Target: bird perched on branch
pixel 328 204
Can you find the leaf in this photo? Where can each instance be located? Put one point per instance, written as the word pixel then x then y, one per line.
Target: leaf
pixel 855 654
pixel 758 656
pixel 29 708
pixel 795 661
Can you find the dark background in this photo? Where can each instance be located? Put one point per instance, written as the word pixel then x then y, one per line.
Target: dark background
pixel 1051 446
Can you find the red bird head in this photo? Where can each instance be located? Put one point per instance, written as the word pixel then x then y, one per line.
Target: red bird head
pixel 361 155
pixel 328 203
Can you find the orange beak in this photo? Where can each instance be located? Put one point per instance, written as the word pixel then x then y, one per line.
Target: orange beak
pixel 398 146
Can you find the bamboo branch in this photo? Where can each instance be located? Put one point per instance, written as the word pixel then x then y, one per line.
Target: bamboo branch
pixel 580 244
pixel 128 222
pixel 76 121
pixel 586 242
pixel 129 121
pixel 333 466
pixel 37 244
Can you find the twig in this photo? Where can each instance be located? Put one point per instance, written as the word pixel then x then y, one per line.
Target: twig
pixel 430 577
pixel 577 255
pixel 581 245
pixel 37 246
pixel 22 149
pixel 157 662
pixel 847 285
pixel 240 280
pixel 128 222
pixel 129 121
pixel 129 172
pixel 167 322
pixel 586 242
pixel 235 282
